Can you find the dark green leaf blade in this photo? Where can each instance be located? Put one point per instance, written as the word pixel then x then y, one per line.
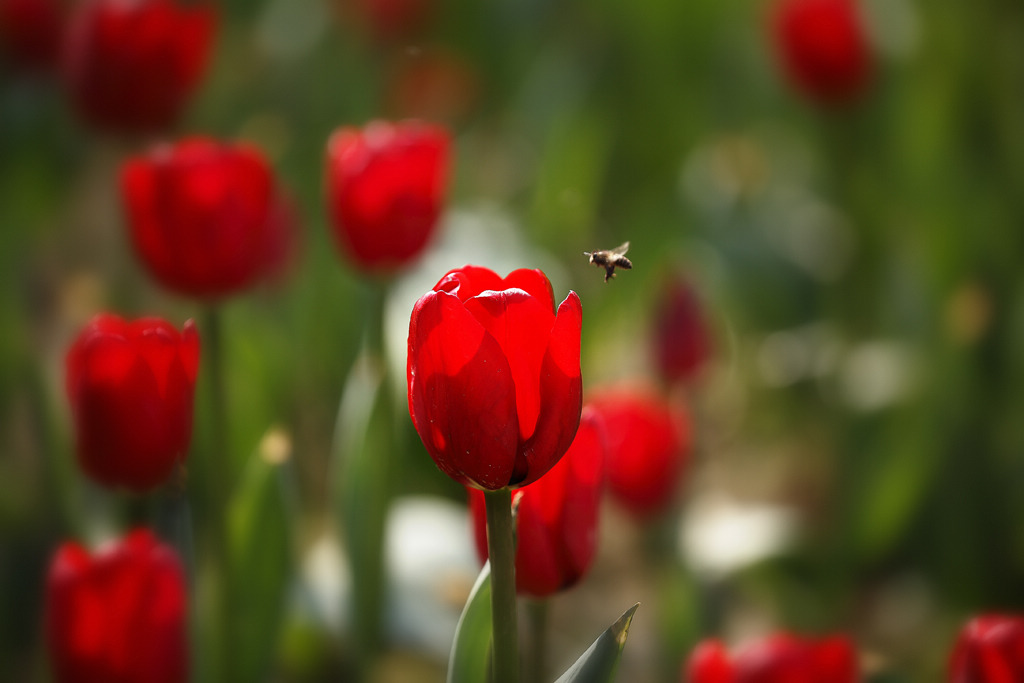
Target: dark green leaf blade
pixel 598 663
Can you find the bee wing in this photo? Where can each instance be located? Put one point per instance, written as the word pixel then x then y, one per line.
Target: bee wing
pixel 621 249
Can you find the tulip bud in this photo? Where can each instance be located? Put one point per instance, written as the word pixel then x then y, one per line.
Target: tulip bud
pixel 131 66
pixel 823 48
pixel 131 386
pixel 778 658
pixel 494 375
pixel 385 190
pixel 206 217
pixel 648 447
pixel 681 340
pixel 556 532
pixel 118 616
pixel 990 649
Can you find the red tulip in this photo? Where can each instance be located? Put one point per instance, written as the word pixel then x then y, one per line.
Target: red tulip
pixel 648 446
pixel 681 340
pixel 556 530
pixel 131 386
pixel 990 649
pixel 385 188
pixel 494 375
pixel 823 48
pixel 30 31
pixel 206 217
pixel 780 658
pixel 118 616
pixel 132 65
pixel 390 20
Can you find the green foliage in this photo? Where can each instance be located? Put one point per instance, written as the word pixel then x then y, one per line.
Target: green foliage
pixel 599 662
pixel 469 661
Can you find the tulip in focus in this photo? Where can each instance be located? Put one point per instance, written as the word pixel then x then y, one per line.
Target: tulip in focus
pixel 131 386
pixel 118 616
pixel 206 217
pixel 494 376
pixel 30 31
pixel 990 649
pixel 648 447
pixel 132 66
pixel 680 334
pixel 556 530
pixel 823 47
pixel 779 658
pixel 385 190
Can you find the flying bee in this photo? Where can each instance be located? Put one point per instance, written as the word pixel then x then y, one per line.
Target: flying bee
pixel 611 259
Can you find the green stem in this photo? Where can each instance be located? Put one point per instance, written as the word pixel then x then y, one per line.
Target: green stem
pixel 537 612
pixel 217 485
pixel 502 552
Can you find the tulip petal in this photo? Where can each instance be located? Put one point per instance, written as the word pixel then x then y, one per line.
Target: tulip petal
pixel 710 663
pixel 461 393
pixel 561 392
pixel 468 281
pixel 520 324
pixel 532 281
pixel 538 554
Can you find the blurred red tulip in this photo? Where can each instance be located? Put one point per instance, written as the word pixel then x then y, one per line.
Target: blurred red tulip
pixel 823 48
pixel 390 20
pixel 433 83
pixel 31 31
pixel 494 375
pixel 131 387
pixel 648 446
pixel 779 658
pixel 556 532
pixel 990 649
pixel 131 66
pixel 207 218
pixel 385 190
pixel 118 616
pixel 681 339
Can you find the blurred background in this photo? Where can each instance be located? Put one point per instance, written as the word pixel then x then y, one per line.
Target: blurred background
pixel 858 456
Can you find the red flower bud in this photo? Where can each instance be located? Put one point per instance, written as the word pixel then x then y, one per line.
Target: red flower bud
pixel 779 658
pixel 385 189
pixel 823 48
pixel 131 66
pixel 681 339
pixel 131 386
pixel 648 446
pixel 206 217
pixel 494 375
pixel 389 20
pixel 556 531
pixel 118 616
pixel 30 31
pixel 990 649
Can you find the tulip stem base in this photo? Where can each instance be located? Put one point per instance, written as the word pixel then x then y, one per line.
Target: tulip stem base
pixel 502 553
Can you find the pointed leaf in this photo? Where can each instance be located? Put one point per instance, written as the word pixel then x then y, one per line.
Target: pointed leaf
pixel 259 563
pixel 469 660
pixel 365 439
pixel 598 663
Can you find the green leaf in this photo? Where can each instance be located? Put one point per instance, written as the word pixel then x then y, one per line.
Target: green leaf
pixel 365 440
pixel 598 663
pixel 469 660
pixel 259 564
